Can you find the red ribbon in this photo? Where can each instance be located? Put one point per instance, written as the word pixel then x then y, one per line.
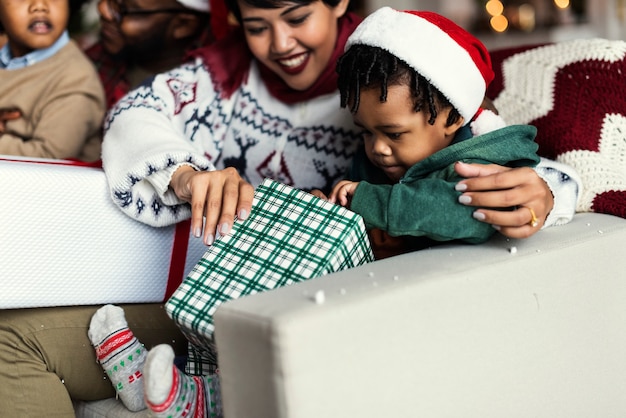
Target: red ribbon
pixel 70 162
pixel 178 257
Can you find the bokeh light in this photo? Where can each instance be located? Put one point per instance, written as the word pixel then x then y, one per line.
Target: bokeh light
pixel 562 4
pixel 494 7
pixel 526 16
pixel 499 23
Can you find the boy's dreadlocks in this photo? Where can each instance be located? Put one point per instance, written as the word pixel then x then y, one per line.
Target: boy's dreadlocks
pixel 364 66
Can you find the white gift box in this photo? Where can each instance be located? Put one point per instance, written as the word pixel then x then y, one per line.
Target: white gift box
pixel 64 242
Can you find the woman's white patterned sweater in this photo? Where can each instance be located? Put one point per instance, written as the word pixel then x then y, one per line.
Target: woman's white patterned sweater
pixel 179 118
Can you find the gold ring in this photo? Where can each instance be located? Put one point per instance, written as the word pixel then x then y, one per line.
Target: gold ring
pixel 534 221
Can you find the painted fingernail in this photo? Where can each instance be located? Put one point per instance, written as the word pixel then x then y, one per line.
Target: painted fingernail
pixel 466 200
pixel 460 187
pixel 224 228
pixel 243 214
pixel 496 227
pixel 197 232
pixel 479 216
pixel 209 239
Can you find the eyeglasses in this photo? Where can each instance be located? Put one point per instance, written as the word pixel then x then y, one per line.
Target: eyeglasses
pixel 118 10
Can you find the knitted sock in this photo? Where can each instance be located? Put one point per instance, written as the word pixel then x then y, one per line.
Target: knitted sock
pixel 120 353
pixel 172 394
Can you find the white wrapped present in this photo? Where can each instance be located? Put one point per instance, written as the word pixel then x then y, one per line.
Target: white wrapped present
pixel 64 242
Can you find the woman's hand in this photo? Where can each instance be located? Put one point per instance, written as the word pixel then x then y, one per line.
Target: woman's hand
pixel 215 195
pixel 494 186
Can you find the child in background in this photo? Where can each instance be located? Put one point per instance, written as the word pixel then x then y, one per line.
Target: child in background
pixel 414 81
pixel 51 99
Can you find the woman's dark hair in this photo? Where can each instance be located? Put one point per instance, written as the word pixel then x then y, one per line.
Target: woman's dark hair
pixel 272 4
pixel 365 67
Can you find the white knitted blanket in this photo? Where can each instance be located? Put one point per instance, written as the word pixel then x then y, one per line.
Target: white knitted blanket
pixel 574 92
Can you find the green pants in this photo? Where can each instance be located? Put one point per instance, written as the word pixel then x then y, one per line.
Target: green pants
pixel 46 358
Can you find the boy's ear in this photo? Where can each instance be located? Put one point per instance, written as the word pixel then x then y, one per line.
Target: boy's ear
pixel 451 129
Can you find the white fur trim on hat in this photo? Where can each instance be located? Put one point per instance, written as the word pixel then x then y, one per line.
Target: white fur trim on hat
pixel 486 121
pixel 432 52
pixel 200 5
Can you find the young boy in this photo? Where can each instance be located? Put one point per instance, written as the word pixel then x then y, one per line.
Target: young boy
pixel 414 81
pixel 51 99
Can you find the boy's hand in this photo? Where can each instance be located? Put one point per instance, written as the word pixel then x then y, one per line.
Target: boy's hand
pixel 215 195
pixel 342 192
pixel 318 193
pixel 7 115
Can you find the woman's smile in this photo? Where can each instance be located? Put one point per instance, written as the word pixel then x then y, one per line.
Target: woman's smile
pixel 288 40
pixel 294 64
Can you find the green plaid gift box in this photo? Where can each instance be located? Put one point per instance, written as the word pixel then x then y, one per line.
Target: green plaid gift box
pixel 289 236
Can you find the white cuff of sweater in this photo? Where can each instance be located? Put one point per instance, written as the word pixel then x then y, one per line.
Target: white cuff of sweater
pixel 565 184
pixel 161 183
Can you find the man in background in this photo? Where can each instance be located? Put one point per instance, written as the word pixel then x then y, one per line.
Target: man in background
pixel 140 38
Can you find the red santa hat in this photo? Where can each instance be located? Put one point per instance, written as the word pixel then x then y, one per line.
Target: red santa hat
pixel 449 57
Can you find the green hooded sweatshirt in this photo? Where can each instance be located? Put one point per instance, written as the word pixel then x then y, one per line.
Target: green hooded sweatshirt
pixel 424 202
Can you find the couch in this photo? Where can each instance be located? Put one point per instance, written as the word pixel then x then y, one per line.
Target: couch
pixel 511 328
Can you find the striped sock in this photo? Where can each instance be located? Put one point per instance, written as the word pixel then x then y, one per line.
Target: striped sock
pixel 120 354
pixel 173 394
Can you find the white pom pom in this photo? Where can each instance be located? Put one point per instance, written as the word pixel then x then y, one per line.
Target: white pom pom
pixel 485 122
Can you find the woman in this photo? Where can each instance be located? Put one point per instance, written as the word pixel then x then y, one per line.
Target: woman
pixel 267 107
pixel 261 104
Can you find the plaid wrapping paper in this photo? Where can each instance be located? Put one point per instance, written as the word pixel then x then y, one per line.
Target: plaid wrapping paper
pixel 290 236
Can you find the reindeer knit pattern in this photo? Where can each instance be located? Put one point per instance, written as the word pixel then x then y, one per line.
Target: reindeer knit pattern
pixel 574 93
pixel 308 144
